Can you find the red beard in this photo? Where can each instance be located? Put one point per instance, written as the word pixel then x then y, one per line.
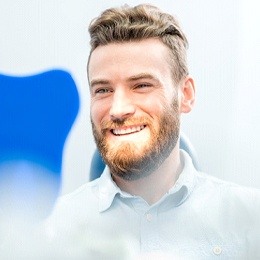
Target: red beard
pixel 125 160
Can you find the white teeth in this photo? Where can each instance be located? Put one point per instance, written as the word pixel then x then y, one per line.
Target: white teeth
pixel 128 130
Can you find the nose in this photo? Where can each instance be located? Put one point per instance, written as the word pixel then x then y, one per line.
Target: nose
pixel 122 105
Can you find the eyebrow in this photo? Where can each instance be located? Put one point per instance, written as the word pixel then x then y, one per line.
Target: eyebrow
pixel 143 76
pixel 130 79
pixel 98 82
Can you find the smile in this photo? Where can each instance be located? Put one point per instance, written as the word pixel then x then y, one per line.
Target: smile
pixel 127 130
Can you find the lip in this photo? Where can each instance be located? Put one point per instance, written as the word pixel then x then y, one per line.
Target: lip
pixel 127 130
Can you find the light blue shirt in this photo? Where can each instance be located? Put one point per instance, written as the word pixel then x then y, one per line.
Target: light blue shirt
pixel 201 217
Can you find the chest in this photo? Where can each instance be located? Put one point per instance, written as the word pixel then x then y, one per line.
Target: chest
pixel 187 233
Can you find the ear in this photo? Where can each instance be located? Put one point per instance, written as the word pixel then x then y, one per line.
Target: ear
pixel 187 95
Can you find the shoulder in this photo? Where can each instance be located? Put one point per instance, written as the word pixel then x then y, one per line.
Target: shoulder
pixel 83 199
pixel 226 195
pixel 74 207
pixel 87 191
pixel 207 181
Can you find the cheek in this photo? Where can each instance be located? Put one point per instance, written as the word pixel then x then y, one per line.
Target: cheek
pixel 98 111
pixel 95 113
pixel 155 106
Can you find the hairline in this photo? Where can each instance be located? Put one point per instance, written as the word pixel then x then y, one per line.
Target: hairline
pixel 170 60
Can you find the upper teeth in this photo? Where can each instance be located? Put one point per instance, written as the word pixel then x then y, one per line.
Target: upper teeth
pixel 128 130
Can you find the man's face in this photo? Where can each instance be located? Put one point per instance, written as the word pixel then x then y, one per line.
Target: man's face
pixel 134 106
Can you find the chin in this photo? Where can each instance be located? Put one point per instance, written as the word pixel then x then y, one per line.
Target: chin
pixel 130 162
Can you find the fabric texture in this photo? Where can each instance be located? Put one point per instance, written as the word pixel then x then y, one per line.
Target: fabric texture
pixel 199 217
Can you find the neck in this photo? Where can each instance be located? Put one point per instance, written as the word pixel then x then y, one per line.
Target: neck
pixel 154 186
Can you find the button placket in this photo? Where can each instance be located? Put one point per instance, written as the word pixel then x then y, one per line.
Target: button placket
pixel 217 250
pixel 149 217
pixel 149 231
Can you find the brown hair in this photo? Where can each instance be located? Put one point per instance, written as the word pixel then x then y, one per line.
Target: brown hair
pixel 124 24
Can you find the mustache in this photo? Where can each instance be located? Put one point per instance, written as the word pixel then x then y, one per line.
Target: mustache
pixel 111 124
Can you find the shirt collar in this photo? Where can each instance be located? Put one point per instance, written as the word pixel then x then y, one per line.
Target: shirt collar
pixel 107 190
pixel 177 194
pixel 184 184
pixel 187 175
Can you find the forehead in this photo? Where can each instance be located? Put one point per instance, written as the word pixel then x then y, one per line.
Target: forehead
pixel 129 58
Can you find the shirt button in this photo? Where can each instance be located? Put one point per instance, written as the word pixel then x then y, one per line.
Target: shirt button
pixel 217 250
pixel 149 217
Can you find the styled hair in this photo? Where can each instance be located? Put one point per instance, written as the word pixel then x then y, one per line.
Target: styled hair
pixel 125 24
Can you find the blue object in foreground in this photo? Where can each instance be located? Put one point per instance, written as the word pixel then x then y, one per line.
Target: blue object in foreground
pixel 36 115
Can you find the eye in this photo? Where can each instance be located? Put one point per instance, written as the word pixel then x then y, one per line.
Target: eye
pixel 143 85
pixel 102 91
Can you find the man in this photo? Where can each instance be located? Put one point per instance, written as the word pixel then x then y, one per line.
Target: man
pixel 150 194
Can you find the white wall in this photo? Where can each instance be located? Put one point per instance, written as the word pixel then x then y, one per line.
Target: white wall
pixel 37 35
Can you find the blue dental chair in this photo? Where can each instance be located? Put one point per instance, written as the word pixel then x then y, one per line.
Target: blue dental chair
pixel 36 114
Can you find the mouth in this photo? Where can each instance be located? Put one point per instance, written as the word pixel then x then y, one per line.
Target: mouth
pixel 127 130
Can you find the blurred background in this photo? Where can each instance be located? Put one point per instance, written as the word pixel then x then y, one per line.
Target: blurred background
pixel 47 41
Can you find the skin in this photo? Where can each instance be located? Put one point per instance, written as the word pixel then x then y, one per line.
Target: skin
pixel 132 80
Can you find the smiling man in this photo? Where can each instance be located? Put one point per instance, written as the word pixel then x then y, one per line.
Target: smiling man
pixel 150 194
pixel 135 110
